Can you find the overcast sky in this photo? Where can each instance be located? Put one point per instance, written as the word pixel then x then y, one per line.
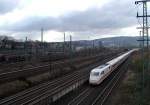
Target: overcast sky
pixel 83 19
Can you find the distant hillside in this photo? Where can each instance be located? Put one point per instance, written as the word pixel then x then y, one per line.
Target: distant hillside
pixel 121 41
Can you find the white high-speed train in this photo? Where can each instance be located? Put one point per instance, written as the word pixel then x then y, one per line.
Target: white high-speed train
pixel 98 74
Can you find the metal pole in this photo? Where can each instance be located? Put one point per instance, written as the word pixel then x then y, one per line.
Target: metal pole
pixel 93 44
pixel 71 48
pixel 41 34
pixel 64 41
pixel 145 56
pixel 43 47
pixel 147 37
pixel 143 66
pixel 140 43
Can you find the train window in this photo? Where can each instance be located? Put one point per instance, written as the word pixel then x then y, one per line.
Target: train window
pixel 102 72
pixel 95 73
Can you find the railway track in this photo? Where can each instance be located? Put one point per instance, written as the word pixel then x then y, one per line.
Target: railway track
pixel 44 93
pixel 28 62
pixel 103 96
pixel 5 66
pixel 97 95
pixel 33 94
pixel 46 87
pixel 26 72
pixel 23 65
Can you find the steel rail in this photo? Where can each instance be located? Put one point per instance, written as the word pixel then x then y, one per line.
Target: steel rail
pixel 44 85
pixel 48 94
pixel 10 100
pixel 35 70
pixel 109 92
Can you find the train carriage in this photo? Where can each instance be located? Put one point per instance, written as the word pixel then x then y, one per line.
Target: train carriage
pixel 99 73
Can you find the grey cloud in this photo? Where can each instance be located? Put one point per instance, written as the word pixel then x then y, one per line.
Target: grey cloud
pixel 113 16
pixel 35 23
pixel 8 5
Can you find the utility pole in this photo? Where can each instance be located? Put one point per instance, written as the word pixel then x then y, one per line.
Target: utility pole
pixel 145 36
pixel 25 44
pixel 42 34
pixel 71 48
pixel 64 42
pixel 70 43
pixel 140 43
pixel 93 47
pixel 43 47
pixel 25 48
pixel 93 44
pixel 145 43
pixel 26 38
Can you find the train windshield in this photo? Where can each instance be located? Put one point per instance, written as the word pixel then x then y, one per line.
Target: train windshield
pixel 102 66
pixel 95 73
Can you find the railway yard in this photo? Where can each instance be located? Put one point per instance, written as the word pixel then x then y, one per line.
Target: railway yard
pixel 74 52
pixel 95 95
pixel 59 82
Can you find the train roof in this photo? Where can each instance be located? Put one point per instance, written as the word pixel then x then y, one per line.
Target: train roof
pixel 112 61
pixel 118 58
pixel 100 68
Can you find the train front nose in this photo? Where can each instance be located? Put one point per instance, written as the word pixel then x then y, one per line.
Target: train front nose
pixel 93 80
pixel 94 77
